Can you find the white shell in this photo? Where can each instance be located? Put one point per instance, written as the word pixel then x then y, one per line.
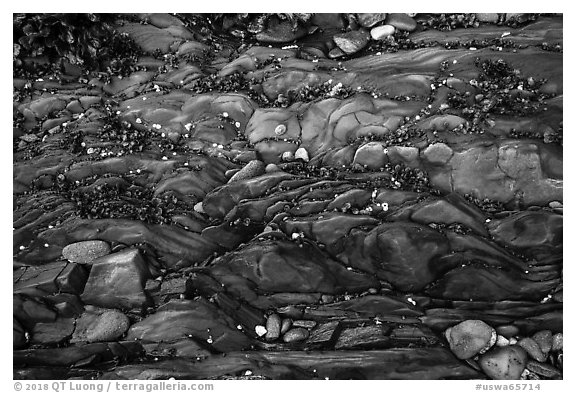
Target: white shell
pixel 280 129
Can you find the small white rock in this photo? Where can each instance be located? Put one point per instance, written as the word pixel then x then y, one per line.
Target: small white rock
pixel 280 129
pixel 287 156
pixel 198 208
pixel 301 153
pixel 260 330
pixel 502 341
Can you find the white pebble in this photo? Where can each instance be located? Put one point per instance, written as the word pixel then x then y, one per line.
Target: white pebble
pixel 260 330
pixel 280 129
pixel 22 247
pixel 301 153
pixel 224 114
pixel 237 124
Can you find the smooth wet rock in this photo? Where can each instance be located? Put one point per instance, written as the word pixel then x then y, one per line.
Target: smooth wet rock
pixel 51 333
pixel 279 31
pixel 470 337
pixel 295 335
pixel 504 362
pixel 557 342
pixel 382 32
pixel 401 22
pixel 272 168
pixel 117 281
pixel 86 251
pixel 301 154
pixel 286 325
pixel 252 169
pixel 372 155
pixel 336 53
pixel 97 325
pixel 273 327
pixel 543 369
pixel 507 331
pixel 532 348
pixel 324 335
pixel 307 324
pixel 201 320
pixel 369 20
pixel 368 337
pixel 352 41
pixel 438 153
pixel 544 340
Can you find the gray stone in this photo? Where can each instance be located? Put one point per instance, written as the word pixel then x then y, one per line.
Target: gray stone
pixel 117 281
pixel 352 41
pixel 364 337
pixel 324 335
pixel 371 155
pixel 86 251
pixel 504 362
pixel 532 348
pixel 96 325
pixel 50 333
pixel 369 20
pixel 544 340
pixel 543 369
pixel 401 22
pixel 557 342
pixel 470 337
pixel 438 153
pixel 252 169
pixel 304 323
pixel 295 335
pixel 273 327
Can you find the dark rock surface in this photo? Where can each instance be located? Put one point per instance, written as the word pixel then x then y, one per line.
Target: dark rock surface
pixel 287 196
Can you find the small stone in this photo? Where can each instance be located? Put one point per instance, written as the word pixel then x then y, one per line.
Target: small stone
pixel 470 337
pixel 557 342
pixel 272 168
pixel 369 20
pixel 504 362
pixel 286 325
pixel 438 153
pixel 532 348
pixel 487 17
pixel 301 154
pixel 304 323
pixel 401 22
pixel 260 330
pixel 280 129
pixel 555 205
pixel 327 299
pixel 336 53
pixel 352 41
pixel 295 335
pixel 252 169
pixel 372 155
pixel 544 340
pixel 30 138
pixel 287 156
pixel 502 341
pixel 381 32
pixel 543 369
pixel 273 327
pixel 99 325
pixel 507 331
pixel 198 208
pixel 86 251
